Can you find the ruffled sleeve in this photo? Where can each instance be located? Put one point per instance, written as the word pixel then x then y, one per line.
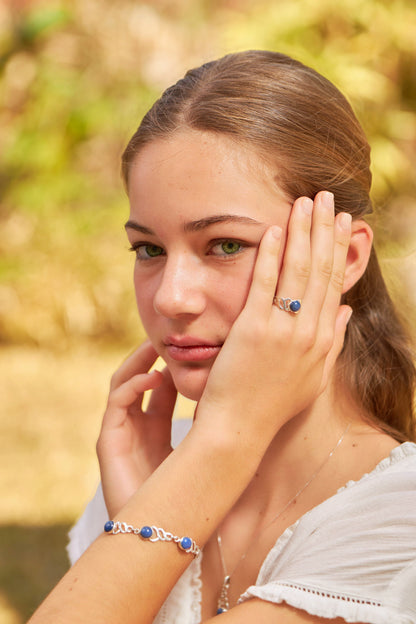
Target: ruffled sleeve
pixel 353 556
pixel 88 527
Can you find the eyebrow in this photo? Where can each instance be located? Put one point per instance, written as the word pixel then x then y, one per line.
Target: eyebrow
pixel 200 224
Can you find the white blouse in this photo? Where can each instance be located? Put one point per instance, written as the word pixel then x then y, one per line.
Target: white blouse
pixel 353 556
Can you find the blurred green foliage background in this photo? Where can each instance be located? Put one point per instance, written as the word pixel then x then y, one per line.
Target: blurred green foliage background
pixel 75 78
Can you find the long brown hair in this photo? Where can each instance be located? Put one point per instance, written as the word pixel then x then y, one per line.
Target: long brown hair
pixel 304 127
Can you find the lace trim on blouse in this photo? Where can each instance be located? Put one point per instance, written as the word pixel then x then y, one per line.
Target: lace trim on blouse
pixel 322 603
pixel 326 594
pixel 406 449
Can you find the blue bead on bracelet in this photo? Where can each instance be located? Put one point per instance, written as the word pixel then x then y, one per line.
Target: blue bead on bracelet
pixel 146 532
pixel 153 534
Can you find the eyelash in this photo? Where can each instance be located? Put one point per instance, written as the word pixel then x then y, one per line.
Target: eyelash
pixel 227 240
pixel 136 247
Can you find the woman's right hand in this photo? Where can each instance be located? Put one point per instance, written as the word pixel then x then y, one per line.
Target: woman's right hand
pixel 133 442
pixel 274 364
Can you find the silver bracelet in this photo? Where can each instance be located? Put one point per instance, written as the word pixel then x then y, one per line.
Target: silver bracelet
pixel 153 534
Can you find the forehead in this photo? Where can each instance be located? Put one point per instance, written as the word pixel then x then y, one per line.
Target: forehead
pixel 197 174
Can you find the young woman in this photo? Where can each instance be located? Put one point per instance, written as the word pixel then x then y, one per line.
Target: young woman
pixel 257 283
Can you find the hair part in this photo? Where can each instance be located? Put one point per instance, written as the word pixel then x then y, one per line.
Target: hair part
pixel 305 129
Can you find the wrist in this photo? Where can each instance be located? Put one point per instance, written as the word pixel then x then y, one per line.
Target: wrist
pixel 245 430
pixel 201 473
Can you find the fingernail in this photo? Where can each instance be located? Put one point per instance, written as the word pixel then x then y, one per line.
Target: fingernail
pixel 307 205
pixel 345 219
pixel 277 232
pixel 327 199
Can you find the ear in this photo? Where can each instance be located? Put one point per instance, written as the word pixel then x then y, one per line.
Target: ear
pixel 358 253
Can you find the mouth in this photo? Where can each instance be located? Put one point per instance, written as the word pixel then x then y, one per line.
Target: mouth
pixel 188 349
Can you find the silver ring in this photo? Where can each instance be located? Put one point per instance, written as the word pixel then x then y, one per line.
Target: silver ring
pixel 288 305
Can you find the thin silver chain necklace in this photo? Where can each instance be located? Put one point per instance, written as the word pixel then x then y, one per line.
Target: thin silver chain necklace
pixel 223 603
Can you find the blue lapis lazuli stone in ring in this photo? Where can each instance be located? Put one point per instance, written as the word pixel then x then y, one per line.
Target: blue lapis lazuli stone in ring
pixel 295 305
pixel 146 532
pixel 109 525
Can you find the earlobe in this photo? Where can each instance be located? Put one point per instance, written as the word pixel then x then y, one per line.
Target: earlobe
pixel 358 253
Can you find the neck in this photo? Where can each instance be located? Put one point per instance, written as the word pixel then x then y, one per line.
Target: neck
pixel 298 450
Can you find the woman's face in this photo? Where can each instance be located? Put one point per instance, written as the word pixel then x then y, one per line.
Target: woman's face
pixel 200 205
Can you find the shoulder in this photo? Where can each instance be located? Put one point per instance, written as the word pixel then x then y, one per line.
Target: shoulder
pixel 381 499
pixel 355 554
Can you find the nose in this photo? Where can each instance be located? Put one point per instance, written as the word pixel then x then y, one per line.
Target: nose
pixel 181 289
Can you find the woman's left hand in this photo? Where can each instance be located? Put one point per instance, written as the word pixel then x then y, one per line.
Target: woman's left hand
pixel 133 441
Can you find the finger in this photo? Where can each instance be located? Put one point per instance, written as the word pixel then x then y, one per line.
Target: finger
pixel 128 394
pixel 297 258
pixel 163 399
pixel 322 255
pixel 266 271
pixel 138 362
pixel 343 317
pixel 342 233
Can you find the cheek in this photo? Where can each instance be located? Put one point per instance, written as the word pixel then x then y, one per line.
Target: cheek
pixel 231 292
pixel 144 291
pixel 225 290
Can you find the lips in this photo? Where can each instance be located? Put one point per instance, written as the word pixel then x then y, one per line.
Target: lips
pixel 189 349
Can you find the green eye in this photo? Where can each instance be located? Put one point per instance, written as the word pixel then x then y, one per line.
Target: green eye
pixel 153 250
pixel 230 247
pixel 226 247
pixel 147 251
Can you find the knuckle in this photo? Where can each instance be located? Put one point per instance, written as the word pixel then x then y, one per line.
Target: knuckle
pixel 114 381
pixel 342 238
pixel 337 279
pixel 327 222
pixel 114 398
pixel 254 331
pixel 103 446
pixel 280 339
pixel 325 269
pixel 267 282
pixel 327 341
pixel 306 338
pixel 301 270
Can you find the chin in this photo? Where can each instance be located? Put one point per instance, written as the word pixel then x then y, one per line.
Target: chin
pixel 190 383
